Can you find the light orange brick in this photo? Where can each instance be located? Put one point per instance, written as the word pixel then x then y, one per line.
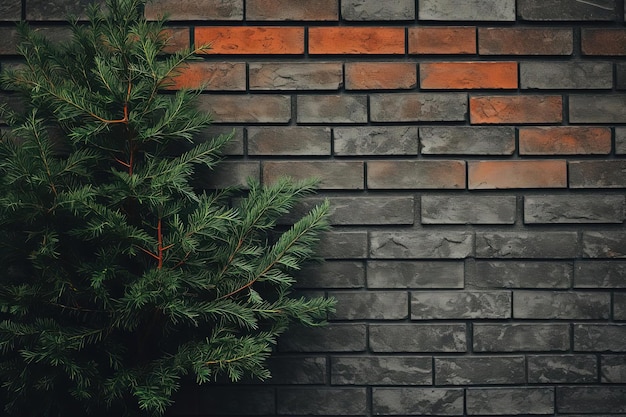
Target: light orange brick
pixel 565 140
pixel 442 40
pixel 468 75
pixel 211 76
pixel 380 75
pixel 251 40
pixel 517 174
pixel 356 40
pixel 516 109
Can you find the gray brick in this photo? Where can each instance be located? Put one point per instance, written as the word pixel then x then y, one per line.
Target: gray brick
pixel 591 399
pixel 234 147
pixel 195 10
pixel 332 109
pixel 285 10
pixel 540 245
pixel 561 305
pixel 550 10
pixel 620 140
pixel 375 140
pixel 465 140
pixel 452 305
pixel 322 401
pixel 599 338
pixel 332 274
pixel 364 10
pixel 566 75
pixel 521 337
pixel 417 338
pixel 11 10
pixel 293 140
pixel 343 245
pixel 371 305
pixel 574 209
pixel 479 10
pixel 509 401
pixel 295 76
pixel 610 244
pixel 415 274
pixel 416 174
pixel 613 369
pixel 332 175
pixel 597 174
pixel 597 108
pixel 417 401
pixel 58 10
pixel 310 370
pixel 619 306
pixel 223 401
pixel 600 274
pixel 10 41
pixel 562 369
pixel 231 174
pixel 522 274
pixel 381 370
pixel 335 337
pixel 468 209
pixel 235 108
pixel 451 245
pixel 485 370
pixel 418 107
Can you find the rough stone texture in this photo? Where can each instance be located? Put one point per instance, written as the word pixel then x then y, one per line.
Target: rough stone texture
pixel 321 401
pixel 343 245
pixel 417 401
pixel 561 305
pixel 446 245
pixel 503 401
pixel 58 10
pixel 525 41
pixel 250 40
pixel 381 370
pixel 468 209
pixel 335 175
pixel 597 174
pixel 370 140
pixel 332 274
pixel 195 10
pixel 604 244
pixel 415 174
pixel 521 337
pixel 351 40
pixel 603 42
pixel 620 140
pixel 543 245
pixel 564 140
pixel 591 399
pixel 417 338
pixel 267 10
pixel 442 40
pixel 605 108
pixel 418 107
pixel 379 305
pixel 479 10
pixel 332 109
pixel 485 370
pixel 296 140
pixel 516 174
pixel 562 369
pixel 516 109
pixel 619 306
pixel 521 274
pixel 574 209
pixel 599 338
pixel 335 337
pixel 380 75
pixel 295 76
pixel 310 370
pixel 620 77
pixel 613 369
pixel 444 305
pixel 415 274
pixel 11 10
pixel 463 140
pixel 545 10
pixel 246 108
pixel 600 274
pixel 231 174
pixel 364 10
pixel 566 75
pixel 468 75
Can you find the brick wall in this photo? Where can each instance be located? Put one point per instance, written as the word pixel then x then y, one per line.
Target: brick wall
pixel 474 154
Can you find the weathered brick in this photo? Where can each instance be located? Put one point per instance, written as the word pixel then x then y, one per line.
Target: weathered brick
pixel 233 147
pixel 509 401
pixel 356 40
pixel 527 244
pixel 468 209
pixel 332 274
pixel 485 370
pixel 562 369
pixel 334 337
pixel 364 10
pixel 597 174
pixel 561 305
pixel 613 369
pixel 525 41
pixel 291 140
pixel 195 10
pixel 380 75
pixel 599 338
pixel 418 244
pixel 591 399
pixel 59 10
pixel 11 10
pixel 609 244
pixel 336 175
pixel 10 41
pixel 255 40
pixel 521 337
pixel 415 274
pixel 321 401
pixel 555 10
pixel 574 209
pixel 231 174
pixel 515 109
pixel 607 42
pixel 227 76
pixel 564 140
pixel 597 108
pixel 484 175
pixel 455 305
pixel 521 274
pixel 371 305
pixel 381 370
pixel 278 10
pixel 343 245
pixel 620 76
pixel 620 140
pixel 468 75
pixel 417 401
pixel 223 401
pixel 297 370
pixel 480 10
pixel 417 337
pixel 600 274
pixel 619 306
pixel 566 75
pixel 442 40
pixel 267 108
pixel 295 76
pixel 418 107
pixel 178 39
pixel 466 140
pixel 332 109
pixel 416 174
pixel 375 140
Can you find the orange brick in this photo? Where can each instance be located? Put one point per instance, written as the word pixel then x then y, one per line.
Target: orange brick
pixel 564 140
pixel 380 75
pixel 251 39
pixel 442 40
pixel 516 109
pixel 604 41
pixel 211 76
pixel 517 174
pixel 356 40
pixel 468 75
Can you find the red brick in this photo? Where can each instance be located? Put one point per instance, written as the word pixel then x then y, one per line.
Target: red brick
pixel 416 174
pixel 525 41
pixel 211 76
pixel 380 75
pixel 604 41
pixel 253 40
pixel 334 175
pixel 442 40
pixel 564 140
pixel 356 40
pixel 195 9
pixel 276 10
pixel 517 174
pixel 516 109
pixel 468 75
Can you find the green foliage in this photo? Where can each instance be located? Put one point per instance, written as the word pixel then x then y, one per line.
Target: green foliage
pixel 120 276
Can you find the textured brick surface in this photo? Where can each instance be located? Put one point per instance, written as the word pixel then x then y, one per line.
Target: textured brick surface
pixel 332 175
pixel 561 305
pixel 60 10
pixel 223 76
pixel 442 40
pixel 566 75
pixel 332 109
pixel 463 140
pixel 468 210
pixel 387 140
pixel 599 338
pixel 247 109
pixel 517 174
pixel 418 107
pixel 605 109
pixel 561 140
pixel 486 370
pixel 515 109
pixel 379 305
pixel 566 10
pixel 460 305
pixel 380 75
pixel 416 174
pixel 417 401
pixel 229 40
pixel 597 174
pixel 526 245
pixel 196 10
pixel 381 370
pixel 591 399
pixel 356 40
pixel 525 41
pixel 415 274
pixel 320 10
pixel 11 10
pixel 363 10
pixel 562 369
pixel 417 338
pixel 489 10
pixel 468 75
pixel 610 244
pixel 521 274
pixel 574 209
pixel 521 337
pixel 295 76
pixel 322 401
pixel 331 338
pixel 613 368
pixel 452 245
pixel 289 141
pixel 603 41
pixel 600 274
pixel 500 401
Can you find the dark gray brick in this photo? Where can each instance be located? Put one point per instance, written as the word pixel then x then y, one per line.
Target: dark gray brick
pixel 322 401
pixel 415 274
pixel 620 140
pixel 231 174
pixel 58 10
pixel 295 140
pixel 332 175
pixel 485 370
pixel 332 274
pixel 417 401
pixel 372 305
pixel 343 245
pixel 381 370
pixel 11 10
pixel 10 40
pixel 416 174
pixel 613 369
pixel 597 174
pixel 375 140
pixel 235 108
pixel 521 337
pixel 509 401
pixel 599 338
pixel 223 401
pixel 468 209
pixel 566 75
pixel 335 337
pixel 332 109
pixel 561 305
pixel 295 76
pixel 610 244
pixel 542 245
pixel 600 274
pixel 479 10
pixel 549 10
pixel 464 140
pixel 364 10
pixel 619 306
pixel 591 399
pixel 562 369
pixel 195 9
pixel 522 274
pixel 234 147
pixel 451 305
pixel 597 108
pixel 418 107
pixel 297 370
pixel 417 338
pixel 451 245
pixel 574 209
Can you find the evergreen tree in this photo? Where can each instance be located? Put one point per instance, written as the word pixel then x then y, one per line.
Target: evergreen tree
pixel 121 277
